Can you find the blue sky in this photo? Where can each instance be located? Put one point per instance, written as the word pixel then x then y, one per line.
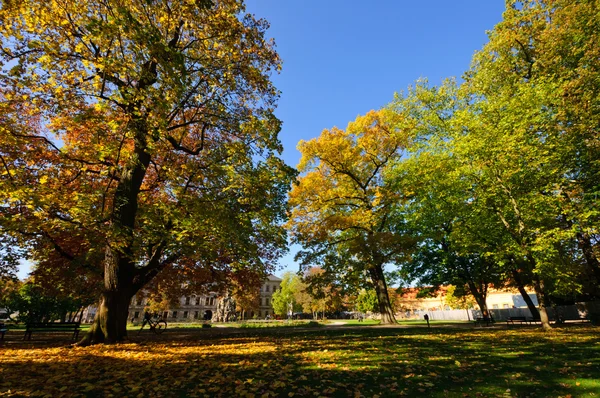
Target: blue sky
pixel 342 58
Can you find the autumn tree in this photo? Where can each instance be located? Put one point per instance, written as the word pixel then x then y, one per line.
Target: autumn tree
pixel 245 289
pixel 343 211
pixel 319 292
pixel 143 130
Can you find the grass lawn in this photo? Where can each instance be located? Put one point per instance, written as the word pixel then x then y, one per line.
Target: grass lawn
pixel 321 362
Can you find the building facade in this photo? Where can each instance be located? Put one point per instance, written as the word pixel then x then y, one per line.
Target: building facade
pixel 200 308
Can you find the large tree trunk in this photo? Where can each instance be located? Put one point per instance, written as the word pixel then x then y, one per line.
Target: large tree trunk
pixel 521 286
pixel 110 322
pixel 543 303
pixel 385 307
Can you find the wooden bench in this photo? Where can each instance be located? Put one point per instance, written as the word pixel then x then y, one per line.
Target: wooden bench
pixel 513 319
pixel 484 319
pixel 3 330
pixel 52 327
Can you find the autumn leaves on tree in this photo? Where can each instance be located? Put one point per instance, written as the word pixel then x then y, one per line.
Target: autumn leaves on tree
pixel 139 149
pixel 139 137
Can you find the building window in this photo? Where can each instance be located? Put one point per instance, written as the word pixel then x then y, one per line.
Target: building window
pixel 174 314
pixel 140 300
pixel 197 300
pixel 187 301
pixel 136 315
pixel 207 301
pixel 495 306
pixel 267 303
pixel 267 288
pixel 505 306
pixel 165 314
pixel 212 301
pixel 185 314
pixel 196 314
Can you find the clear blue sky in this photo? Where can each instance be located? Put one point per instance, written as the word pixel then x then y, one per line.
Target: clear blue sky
pixel 342 58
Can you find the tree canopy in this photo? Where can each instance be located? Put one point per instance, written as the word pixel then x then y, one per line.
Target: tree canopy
pixel 137 138
pixel 496 178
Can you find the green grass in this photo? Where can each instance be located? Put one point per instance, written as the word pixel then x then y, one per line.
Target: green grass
pixel 326 361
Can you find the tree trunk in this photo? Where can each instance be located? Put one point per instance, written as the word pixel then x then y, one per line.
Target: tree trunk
pixel 521 286
pixel 543 303
pixel 385 307
pixel 480 298
pixel 110 323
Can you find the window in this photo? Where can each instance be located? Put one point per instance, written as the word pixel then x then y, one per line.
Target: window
pixel 187 301
pixel 212 301
pixel 174 314
pixel 140 300
pixel 207 301
pixel 267 288
pixel 495 306
pixel 197 300
pixel 504 305
pixel 136 315
pixel 185 314
pixel 267 302
pixel 166 314
pixel 196 314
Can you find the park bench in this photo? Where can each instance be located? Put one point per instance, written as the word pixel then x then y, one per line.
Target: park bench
pixel 513 319
pixel 3 330
pixel 52 327
pixel 484 319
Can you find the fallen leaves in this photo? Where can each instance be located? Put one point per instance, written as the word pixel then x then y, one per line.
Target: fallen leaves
pixel 405 362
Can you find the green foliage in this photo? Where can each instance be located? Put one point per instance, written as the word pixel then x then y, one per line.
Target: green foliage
pixel 34 304
pixel 458 298
pixel 290 287
pixel 10 298
pixel 503 172
pixel 367 301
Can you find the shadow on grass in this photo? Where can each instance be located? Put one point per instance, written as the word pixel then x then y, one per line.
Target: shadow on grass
pixel 434 362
